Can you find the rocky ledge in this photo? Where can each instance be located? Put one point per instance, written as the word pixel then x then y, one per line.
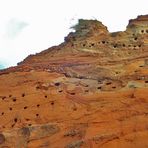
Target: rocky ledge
pixel 90 91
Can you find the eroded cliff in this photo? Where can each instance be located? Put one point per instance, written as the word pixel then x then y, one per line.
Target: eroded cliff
pixel 90 91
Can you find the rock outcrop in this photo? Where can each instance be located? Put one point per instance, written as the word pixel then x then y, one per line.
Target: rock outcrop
pixel 90 91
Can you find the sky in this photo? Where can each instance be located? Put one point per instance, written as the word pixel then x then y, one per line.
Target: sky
pixel 30 26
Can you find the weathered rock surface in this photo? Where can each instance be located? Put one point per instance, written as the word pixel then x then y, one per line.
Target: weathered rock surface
pixel 90 91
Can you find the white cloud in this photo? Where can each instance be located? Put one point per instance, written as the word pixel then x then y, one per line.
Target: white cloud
pixel 49 21
pixel 14 28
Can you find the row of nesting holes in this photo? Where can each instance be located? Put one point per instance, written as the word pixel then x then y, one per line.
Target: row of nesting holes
pixel 57 84
pixel 99 87
pixel 114 45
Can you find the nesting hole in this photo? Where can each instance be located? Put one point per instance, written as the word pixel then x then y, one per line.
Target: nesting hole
pixel 52 103
pixel 38 105
pixel 10 108
pixel 142 31
pixel 72 93
pixel 135 38
pixel 86 90
pixel 115 46
pixel 74 108
pixel 15 120
pixel 60 91
pixel 108 83
pixel 99 87
pixel 139 45
pixel 12 125
pixel 14 99
pixel 23 95
pixel 57 84
pixel 84 45
pixel 25 107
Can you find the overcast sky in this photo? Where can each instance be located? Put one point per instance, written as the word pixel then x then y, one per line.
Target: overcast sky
pixel 30 26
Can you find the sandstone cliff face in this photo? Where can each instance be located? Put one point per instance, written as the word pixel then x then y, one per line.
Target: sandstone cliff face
pixel 90 91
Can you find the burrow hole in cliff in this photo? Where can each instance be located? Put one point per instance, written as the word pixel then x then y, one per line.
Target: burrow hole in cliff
pixel 37 87
pixel 135 38
pixel 75 109
pixel 52 103
pixel 108 83
pixel 10 108
pixel 23 94
pixel 10 96
pixel 146 81
pixel 15 119
pixel 117 72
pixel 60 91
pixel 2 113
pixel 142 31
pixel 114 87
pixel 123 45
pixel 103 42
pixel 14 99
pixel 12 125
pixel 84 45
pixel 139 45
pixel 46 96
pixel 72 93
pixel 38 105
pixel 115 46
pixel 37 115
pixel 99 87
pixel 57 84
pixel 146 31
pixel 134 47
pixel 25 107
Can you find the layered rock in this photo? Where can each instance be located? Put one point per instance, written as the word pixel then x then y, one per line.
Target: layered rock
pixel 90 91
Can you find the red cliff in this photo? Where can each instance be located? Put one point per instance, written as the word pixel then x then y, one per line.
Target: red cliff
pixel 90 91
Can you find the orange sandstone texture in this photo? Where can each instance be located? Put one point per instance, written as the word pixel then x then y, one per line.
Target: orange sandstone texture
pixel 89 92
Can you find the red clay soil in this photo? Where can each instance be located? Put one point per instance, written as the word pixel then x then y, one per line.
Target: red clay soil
pixel 89 92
